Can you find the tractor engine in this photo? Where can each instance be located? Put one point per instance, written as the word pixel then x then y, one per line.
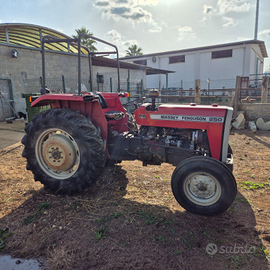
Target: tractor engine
pixel 155 145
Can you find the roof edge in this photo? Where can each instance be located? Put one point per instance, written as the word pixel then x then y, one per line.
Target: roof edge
pixel 260 42
pixel 34 25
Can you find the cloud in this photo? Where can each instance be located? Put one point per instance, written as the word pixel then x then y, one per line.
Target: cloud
pixel 185 32
pixel 226 6
pixel 129 10
pixel 229 22
pixel 265 32
pixel 120 41
pixel 102 3
pixel 120 10
pixel 114 35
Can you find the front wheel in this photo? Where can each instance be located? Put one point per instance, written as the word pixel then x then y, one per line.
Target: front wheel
pixel 203 186
pixel 64 150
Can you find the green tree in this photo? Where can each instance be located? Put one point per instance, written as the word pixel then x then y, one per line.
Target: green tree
pixel 86 41
pixel 133 50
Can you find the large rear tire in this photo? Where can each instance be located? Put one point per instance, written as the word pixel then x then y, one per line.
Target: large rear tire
pixel 203 186
pixel 64 150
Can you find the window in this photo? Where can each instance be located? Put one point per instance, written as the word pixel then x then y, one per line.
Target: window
pixel 141 62
pixel 177 59
pixel 221 54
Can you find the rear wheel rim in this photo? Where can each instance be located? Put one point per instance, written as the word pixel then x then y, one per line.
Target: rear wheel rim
pixel 202 188
pixel 57 153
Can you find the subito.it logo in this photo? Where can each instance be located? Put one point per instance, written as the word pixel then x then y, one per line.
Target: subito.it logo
pixel 211 249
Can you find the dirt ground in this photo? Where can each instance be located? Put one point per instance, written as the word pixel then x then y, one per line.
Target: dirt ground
pixel 130 220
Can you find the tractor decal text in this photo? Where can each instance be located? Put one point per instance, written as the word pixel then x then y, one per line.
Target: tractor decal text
pixel 189 118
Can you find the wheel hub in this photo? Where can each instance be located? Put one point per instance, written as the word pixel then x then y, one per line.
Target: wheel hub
pixel 59 152
pixel 202 188
pixel 56 155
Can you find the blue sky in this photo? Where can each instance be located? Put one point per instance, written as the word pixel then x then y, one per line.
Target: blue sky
pixel 154 25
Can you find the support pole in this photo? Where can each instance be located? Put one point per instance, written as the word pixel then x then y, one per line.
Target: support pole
pixel 264 93
pixel 197 98
pixel 111 84
pixel 236 96
pixel 128 85
pixel 63 83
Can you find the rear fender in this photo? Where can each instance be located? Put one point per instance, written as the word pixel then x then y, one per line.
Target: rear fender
pixel 83 104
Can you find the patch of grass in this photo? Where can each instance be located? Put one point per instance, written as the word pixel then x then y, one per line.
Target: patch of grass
pixel 266 252
pixel 100 233
pixel 150 218
pixel 4 233
pixel 207 234
pixel 169 221
pixel 43 206
pixel 177 252
pixel 123 245
pixel 116 215
pixel 253 185
pixel 103 219
pixel 236 261
pixel 187 242
pixel 159 238
pixel 36 215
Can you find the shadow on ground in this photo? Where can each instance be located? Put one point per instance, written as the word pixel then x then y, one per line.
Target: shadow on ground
pixel 101 229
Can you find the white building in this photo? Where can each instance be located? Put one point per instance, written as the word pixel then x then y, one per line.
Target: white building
pixel 219 63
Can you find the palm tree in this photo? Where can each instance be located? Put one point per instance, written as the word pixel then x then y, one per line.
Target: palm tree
pixel 133 50
pixel 86 41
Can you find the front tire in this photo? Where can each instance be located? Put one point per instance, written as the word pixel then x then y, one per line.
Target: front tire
pixel 64 150
pixel 203 186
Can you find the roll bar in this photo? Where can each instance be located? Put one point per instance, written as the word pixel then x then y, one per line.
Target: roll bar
pixel 77 42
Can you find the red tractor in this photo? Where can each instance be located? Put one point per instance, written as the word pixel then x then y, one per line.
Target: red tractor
pixel 67 146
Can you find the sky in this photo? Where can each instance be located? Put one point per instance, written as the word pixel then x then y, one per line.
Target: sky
pixel 153 25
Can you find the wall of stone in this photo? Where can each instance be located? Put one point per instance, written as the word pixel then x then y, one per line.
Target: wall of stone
pixel 29 61
pixel 253 111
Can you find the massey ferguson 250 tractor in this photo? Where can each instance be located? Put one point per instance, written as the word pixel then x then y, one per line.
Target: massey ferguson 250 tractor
pixel 67 146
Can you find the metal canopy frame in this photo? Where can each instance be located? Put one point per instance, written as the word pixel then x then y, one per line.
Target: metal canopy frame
pixel 77 42
pixel 30 35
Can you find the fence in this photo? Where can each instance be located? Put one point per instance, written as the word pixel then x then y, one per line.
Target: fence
pixel 213 91
pixel 203 92
pixel 69 85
